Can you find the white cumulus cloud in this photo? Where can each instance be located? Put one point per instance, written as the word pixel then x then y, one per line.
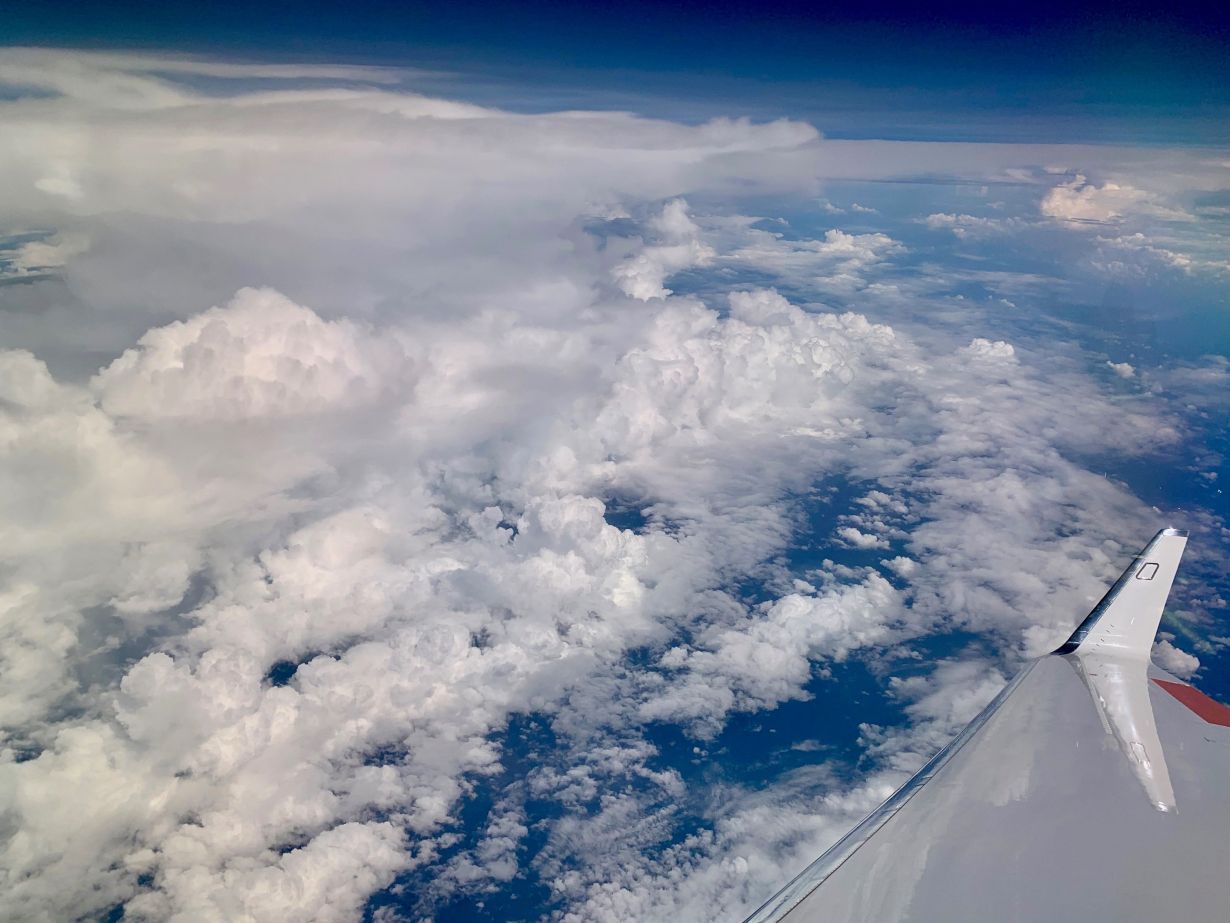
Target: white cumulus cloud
pixel 260 355
pixel 1178 662
pixel 1080 200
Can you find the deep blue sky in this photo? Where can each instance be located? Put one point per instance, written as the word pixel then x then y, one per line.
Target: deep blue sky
pixel 1093 72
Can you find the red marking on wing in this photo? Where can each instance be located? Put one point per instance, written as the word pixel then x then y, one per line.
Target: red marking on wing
pixel 1210 710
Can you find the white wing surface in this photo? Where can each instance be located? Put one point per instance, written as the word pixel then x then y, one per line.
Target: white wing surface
pixel 1093 788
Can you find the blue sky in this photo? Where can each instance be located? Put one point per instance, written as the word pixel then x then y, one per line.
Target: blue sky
pixel 1093 72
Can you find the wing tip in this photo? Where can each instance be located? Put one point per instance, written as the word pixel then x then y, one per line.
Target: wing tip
pixel 1085 627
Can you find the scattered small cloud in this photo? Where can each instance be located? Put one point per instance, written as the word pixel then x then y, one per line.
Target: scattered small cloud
pixel 982 348
pixel 972 226
pixel 860 540
pixel 1173 660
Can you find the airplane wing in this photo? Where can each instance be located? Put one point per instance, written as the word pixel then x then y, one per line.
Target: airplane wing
pixel 1094 787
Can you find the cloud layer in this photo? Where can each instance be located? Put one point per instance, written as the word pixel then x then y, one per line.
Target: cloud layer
pixel 344 427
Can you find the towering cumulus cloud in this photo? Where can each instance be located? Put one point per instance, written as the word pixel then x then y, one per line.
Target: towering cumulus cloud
pixel 260 356
pixel 400 498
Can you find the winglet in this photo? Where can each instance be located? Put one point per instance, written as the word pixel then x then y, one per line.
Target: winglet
pixel 1125 621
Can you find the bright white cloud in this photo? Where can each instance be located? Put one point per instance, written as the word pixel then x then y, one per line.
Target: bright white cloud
pixel 260 356
pixel 1180 663
pixel 678 247
pixel 986 349
pixel 1079 200
pixel 859 539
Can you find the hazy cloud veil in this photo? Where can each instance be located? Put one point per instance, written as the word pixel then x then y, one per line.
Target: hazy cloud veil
pixel 344 428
